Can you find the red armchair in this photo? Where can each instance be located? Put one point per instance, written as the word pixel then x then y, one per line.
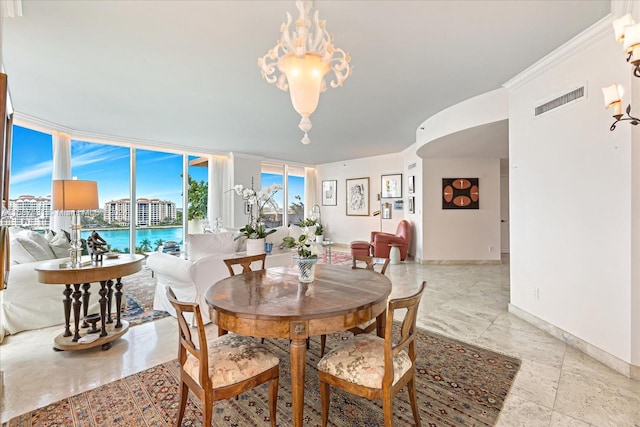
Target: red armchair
pixel 380 241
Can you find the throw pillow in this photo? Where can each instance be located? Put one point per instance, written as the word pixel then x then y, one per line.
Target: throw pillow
pixel 45 251
pixel 25 250
pixel 60 245
pixel 19 255
pixel 201 245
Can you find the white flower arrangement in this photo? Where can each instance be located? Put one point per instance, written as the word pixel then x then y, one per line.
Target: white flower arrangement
pixel 303 246
pixel 260 199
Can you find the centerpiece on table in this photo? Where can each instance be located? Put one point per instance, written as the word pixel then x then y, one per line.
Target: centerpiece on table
pixel 306 258
pixel 255 231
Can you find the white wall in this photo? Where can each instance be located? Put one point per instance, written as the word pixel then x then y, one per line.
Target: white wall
pixel 570 191
pixel 342 228
pixel 461 234
pixel 413 167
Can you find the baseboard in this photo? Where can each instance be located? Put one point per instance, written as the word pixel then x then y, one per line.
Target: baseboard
pixel 626 369
pixel 461 262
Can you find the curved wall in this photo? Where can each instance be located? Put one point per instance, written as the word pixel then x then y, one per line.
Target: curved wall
pixel 462 235
pixel 482 109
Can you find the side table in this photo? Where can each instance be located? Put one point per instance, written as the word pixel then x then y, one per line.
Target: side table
pixel 394 253
pixel 55 272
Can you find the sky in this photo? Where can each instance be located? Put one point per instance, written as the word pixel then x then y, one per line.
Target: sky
pixel 158 174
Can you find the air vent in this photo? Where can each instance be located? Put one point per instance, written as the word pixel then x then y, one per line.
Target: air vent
pixel 568 97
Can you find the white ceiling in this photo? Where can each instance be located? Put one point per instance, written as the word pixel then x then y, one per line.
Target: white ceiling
pixel 185 73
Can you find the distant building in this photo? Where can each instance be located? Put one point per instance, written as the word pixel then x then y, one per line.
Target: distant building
pixel 149 211
pixel 28 211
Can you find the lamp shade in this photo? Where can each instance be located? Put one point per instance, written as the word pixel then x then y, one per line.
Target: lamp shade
pixel 612 94
pixel 73 195
pixel 619 24
pixel 631 37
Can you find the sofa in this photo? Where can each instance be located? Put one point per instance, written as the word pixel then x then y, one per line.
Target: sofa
pixel 26 303
pixel 191 277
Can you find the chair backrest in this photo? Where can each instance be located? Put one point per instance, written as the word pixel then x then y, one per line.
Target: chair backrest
pixel 404 230
pixel 245 262
pixel 370 262
pixel 186 342
pixel 406 340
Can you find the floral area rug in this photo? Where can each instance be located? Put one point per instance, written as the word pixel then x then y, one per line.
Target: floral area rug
pixel 139 290
pixel 341 258
pixel 458 384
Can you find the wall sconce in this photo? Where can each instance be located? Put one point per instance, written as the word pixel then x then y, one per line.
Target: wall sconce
pixel 627 32
pixel 613 98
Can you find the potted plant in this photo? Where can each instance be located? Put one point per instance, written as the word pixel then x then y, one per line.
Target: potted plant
pixel 197 196
pixel 319 233
pixel 307 224
pixel 306 258
pixel 255 231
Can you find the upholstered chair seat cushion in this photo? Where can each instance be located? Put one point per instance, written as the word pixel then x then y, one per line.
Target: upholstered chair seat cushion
pixel 233 358
pixel 361 361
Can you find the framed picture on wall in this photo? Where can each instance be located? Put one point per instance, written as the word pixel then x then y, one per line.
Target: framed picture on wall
pixel 460 193
pixel 411 184
pixel 329 193
pixel 358 196
pixel 386 210
pixel 391 186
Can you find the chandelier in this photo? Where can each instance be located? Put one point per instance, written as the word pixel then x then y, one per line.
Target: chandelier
pixel 301 59
pixel 627 32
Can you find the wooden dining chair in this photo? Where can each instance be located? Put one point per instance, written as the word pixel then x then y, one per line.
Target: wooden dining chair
pixel 370 263
pixel 222 367
pixel 374 367
pixel 245 262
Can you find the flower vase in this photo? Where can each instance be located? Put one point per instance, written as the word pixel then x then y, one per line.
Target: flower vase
pixel 306 269
pixel 255 246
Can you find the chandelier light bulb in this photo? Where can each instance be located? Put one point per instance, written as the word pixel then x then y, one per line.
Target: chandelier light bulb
pixel 300 61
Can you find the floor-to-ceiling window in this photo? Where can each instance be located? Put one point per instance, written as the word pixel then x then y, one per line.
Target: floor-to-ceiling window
pixel 198 189
pixel 289 200
pixel 109 166
pixel 30 184
pixel 158 178
pixel 273 174
pixel 295 194
pixel 158 199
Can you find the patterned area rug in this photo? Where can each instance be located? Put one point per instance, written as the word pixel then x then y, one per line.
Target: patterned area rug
pixel 139 290
pixel 458 384
pixel 336 258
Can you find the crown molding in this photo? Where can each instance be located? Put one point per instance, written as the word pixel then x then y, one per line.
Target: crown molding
pixel 45 126
pixel 594 33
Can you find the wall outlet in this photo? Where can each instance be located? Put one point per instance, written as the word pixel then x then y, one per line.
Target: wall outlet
pixel 536 294
pixel 490 248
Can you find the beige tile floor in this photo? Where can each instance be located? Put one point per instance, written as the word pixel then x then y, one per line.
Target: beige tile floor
pixel 556 386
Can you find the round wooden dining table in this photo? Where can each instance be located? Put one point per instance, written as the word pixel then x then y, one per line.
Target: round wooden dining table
pixel 272 303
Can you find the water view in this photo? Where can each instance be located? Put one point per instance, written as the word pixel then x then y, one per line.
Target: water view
pixel 119 239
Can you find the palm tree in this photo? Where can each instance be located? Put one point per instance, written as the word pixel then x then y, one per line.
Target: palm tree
pixel 158 243
pixel 145 245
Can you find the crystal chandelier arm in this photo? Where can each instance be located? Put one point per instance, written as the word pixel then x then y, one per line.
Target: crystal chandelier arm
pixel 320 33
pixel 285 39
pixel 341 68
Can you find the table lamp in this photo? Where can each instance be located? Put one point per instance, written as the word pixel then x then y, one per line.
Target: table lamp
pixel 74 195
